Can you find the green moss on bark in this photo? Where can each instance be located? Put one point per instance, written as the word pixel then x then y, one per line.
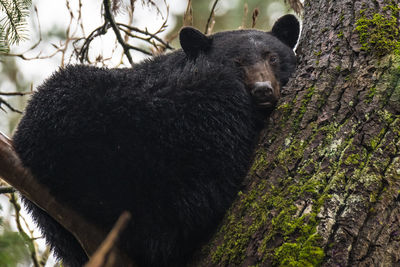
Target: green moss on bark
pixel 296 254
pixel 300 245
pixel 380 33
pixel 303 108
pixel 236 232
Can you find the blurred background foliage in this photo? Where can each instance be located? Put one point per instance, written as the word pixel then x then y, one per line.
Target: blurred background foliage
pixel 13 247
pixel 16 247
pixel 236 14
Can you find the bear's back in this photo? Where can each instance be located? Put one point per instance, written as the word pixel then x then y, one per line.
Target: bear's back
pixel 105 141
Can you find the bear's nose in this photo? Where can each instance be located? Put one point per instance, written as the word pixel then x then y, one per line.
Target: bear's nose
pixel 262 90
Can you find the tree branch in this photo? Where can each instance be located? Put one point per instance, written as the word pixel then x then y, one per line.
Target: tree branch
pixel 103 256
pixel 110 18
pixel 5 103
pixel 32 249
pixel 83 53
pixel 208 28
pixel 6 190
pixel 145 32
pixel 15 93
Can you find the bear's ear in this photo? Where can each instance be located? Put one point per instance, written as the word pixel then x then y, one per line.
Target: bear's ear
pixel 193 41
pixel 287 29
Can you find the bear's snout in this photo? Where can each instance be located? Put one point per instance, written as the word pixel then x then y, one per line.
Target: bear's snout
pixel 263 94
pixel 262 84
pixel 262 90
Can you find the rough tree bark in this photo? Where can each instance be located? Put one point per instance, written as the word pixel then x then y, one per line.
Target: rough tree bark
pixel 324 188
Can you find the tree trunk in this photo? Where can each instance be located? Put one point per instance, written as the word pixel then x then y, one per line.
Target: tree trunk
pixel 324 188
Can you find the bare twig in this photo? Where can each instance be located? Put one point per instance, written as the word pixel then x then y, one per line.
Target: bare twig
pixel 83 53
pixel 67 33
pixel 153 4
pixel 45 256
pixel 102 257
pixel 131 9
pixel 5 103
pixel 6 190
pixel 138 49
pixel 147 33
pixel 80 17
pixel 15 93
pixel 188 15
pixel 254 17
pixel 38 56
pixel 210 18
pixel 32 248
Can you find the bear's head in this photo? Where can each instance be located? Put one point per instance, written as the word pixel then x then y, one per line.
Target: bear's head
pixel 266 59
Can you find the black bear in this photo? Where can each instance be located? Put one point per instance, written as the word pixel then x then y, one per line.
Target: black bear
pixel 169 140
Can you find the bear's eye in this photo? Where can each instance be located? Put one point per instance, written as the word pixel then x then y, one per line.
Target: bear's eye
pixel 273 59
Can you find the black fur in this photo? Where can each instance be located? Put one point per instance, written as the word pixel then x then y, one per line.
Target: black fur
pixel 287 29
pixel 193 41
pixel 169 140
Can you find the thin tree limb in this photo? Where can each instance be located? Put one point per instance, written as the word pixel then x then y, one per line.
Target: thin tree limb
pixel 207 30
pixel 84 51
pixel 15 93
pixel 6 190
pixel 5 103
pixel 145 32
pixel 188 15
pixel 103 257
pixel 110 18
pixel 32 248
